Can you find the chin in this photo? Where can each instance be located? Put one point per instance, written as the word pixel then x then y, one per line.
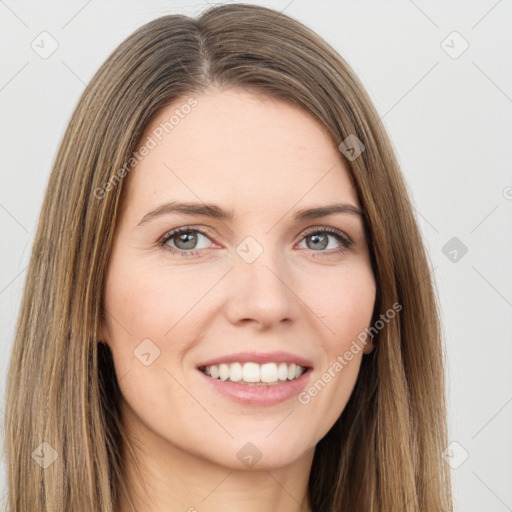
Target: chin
pixel 247 453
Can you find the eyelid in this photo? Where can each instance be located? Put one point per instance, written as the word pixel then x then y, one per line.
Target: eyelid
pixel 327 229
pixel 206 231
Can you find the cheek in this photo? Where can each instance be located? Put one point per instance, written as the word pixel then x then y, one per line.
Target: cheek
pixel 345 305
pixel 149 304
pixel 147 313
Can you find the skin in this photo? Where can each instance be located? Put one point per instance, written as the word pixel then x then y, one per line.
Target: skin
pixel 263 159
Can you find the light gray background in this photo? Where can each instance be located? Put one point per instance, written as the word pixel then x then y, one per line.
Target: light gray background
pixel 450 120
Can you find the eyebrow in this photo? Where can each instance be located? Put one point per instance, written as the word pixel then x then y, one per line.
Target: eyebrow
pixel 216 212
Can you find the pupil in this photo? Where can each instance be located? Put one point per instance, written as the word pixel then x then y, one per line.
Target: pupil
pixel 316 239
pixel 188 244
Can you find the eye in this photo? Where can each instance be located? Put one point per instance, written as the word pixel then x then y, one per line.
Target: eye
pixel 318 239
pixel 183 239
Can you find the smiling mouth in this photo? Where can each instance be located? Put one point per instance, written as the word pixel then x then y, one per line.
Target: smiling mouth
pixel 254 374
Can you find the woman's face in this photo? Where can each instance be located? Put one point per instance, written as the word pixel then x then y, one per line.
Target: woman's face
pixel 252 278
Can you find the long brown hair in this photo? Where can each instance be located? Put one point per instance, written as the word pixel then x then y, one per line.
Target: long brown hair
pixel 64 439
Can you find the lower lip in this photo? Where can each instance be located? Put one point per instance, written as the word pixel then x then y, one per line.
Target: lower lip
pixel 259 395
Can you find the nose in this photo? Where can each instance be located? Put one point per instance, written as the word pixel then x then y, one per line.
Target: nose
pixel 261 292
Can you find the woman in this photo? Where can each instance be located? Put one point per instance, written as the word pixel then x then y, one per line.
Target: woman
pixel 228 304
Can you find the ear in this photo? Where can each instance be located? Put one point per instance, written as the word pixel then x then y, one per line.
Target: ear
pixel 368 348
pixel 103 333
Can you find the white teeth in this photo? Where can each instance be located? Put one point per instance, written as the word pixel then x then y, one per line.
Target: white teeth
pixel 282 372
pixel 235 372
pixel 253 373
pixel 269 372
pixel 224 371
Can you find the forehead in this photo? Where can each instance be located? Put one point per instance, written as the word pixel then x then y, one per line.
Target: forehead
pixel 241 150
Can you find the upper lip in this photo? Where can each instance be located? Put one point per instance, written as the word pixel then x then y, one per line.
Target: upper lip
pixel 260 358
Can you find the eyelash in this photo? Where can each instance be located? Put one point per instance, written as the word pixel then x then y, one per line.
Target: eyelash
pixel 344 240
